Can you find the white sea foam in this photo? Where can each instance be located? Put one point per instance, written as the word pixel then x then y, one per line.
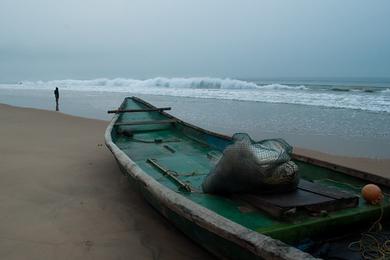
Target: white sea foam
pixel 225 89
pixel 125 85
pixel 104 84
pixel 281 86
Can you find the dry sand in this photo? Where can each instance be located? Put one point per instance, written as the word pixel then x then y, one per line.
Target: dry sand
pixel 62 195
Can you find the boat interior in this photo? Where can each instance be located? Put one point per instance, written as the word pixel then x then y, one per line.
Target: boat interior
pixel 179 156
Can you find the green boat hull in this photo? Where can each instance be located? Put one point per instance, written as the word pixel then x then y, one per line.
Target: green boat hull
pixel 219 224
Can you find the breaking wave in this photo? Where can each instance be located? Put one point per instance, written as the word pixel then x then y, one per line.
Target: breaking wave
pixel 375 99
pixel 120 84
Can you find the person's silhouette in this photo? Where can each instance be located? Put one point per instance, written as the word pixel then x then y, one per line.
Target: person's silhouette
pixel 57 96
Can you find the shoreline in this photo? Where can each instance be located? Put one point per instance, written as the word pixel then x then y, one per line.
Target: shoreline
pixel 367 164
pixel 341 132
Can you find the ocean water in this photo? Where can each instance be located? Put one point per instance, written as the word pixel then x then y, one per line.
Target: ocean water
pixel 344 116
pixel 363 94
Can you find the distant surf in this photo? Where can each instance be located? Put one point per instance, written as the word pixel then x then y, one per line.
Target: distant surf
pixel 367 98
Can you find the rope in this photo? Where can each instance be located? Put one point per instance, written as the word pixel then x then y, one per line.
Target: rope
pixel 373 244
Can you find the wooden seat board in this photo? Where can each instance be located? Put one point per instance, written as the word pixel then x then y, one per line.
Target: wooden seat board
pixel 310 196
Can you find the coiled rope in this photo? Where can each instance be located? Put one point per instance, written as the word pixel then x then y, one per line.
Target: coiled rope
pixel 373 244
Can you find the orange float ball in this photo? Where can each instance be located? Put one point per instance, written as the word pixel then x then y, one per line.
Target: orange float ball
pixel 372 194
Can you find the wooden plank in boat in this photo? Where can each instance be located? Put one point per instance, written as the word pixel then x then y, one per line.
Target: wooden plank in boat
pixel 148 122
pixel 118 111
pixel 323 190
pixel 312 197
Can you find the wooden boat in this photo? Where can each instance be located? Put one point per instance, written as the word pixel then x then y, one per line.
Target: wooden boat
pixel 167 159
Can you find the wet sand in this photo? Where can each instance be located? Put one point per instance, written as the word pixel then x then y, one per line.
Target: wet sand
pixel 376 166
pixel 63 197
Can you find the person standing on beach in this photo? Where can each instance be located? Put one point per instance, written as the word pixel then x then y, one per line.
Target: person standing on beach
pixel 57 96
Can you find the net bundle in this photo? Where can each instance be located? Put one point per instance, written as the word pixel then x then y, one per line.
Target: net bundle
pixel 247 166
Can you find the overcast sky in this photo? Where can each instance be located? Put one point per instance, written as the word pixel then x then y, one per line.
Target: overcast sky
pixel 82 39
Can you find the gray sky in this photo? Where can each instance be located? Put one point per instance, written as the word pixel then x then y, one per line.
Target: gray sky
pixel 81 39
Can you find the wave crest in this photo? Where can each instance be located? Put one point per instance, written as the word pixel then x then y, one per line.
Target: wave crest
pixel 160 82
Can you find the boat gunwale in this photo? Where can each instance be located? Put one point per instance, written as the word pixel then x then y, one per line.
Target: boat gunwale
pixel 260 245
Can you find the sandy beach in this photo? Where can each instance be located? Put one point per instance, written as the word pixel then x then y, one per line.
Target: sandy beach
pixel 63 196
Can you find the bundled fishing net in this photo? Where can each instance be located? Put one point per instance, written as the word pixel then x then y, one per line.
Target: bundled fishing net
pixel 253 167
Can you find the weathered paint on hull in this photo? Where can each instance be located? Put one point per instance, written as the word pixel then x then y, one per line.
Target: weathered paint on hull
pixel 211 242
